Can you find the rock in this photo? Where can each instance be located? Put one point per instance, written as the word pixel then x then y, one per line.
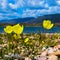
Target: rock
pixel 50 50
pixel 44 53
pixel 42 58
pixel 52 57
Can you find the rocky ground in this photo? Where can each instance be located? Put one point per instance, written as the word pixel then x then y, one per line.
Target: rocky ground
pixel 39 47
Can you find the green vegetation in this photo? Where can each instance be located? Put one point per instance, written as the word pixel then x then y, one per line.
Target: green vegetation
pixel 36 42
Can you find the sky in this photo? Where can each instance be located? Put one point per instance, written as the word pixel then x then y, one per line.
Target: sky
pixel 11 9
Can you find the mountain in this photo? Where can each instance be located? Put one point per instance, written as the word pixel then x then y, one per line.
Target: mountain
pixel 55 18
pixel 14 21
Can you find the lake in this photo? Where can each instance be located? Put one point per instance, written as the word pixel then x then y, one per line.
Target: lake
pixel 36 29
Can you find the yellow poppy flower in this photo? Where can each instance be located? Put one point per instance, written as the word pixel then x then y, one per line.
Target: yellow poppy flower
pixel 15 36
pixel 8 29
pixel 47 24
pixel 43 42
pixel 26 40
pixel 18 29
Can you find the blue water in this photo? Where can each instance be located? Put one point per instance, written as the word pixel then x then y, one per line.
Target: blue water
pixel 41 29
pixel 36 30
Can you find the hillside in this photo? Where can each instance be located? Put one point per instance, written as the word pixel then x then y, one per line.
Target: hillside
pixel 31 21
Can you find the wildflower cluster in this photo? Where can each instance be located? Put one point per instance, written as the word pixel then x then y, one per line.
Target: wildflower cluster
pixel 18 29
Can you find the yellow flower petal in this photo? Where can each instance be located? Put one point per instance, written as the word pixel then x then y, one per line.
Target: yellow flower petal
pixel 50 26
pixel 8 29
pixel 18 29
pixel 26 40
pixel 44 23
pixel 15 36
pixel 47 24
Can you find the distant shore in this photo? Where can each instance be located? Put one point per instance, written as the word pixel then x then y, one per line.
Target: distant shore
pixel 28 25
